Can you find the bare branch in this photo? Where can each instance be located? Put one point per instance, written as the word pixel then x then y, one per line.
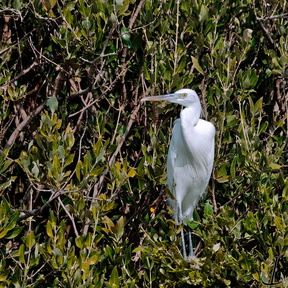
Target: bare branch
pixel 70 216
pixel 99 184
pixel 23 72
pixel 267 34
pixel 22 125
pixel 35 212
pixel 285 15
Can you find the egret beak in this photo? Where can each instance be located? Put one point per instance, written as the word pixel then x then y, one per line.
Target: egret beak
pixel 168 97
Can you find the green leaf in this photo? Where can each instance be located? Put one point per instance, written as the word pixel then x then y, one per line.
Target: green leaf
pixel 3 277
pixel 52 103
pixel 14 233
pixel 78 170
pixel 195 222
pixel 22 253
pixel 128 255
pixel 79 241
pixel 114 280
pixel 35 169
pixel 17 4
pixel 119 4
pixel 223 179
pixel 125 35
pixel 86 24
pixel 120 227
pixel 29 239
pixel 208 209
pixel 55 169
pixel 196 65
pixel 13 220
pixel 3 233
pixel 204 13
pixel 6 164
pixel 96 172
pixel 8 183
pixel 274 166
pixel 258 106
pixel 233 167
pixel 49 229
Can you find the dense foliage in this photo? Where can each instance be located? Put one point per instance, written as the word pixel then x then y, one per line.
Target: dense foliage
pixel 82 163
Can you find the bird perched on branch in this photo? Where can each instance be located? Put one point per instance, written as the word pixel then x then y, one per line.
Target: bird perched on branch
pixel 190 158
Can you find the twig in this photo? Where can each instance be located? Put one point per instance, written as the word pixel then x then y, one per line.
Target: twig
pixel 58 84
pixel 99 184
pixel 23 124
pixel 176 37
pixel 125 51
pixel 36 212
pixel 17 12
pixel 98 58
pixel 119 146
pixel 214 202
pixel 79 93
pixel 37 271
pixel 43 56
pixel 266 32
pixel 70 216
pixel 284 15
pixel 23 72
pixel 134 16
pixel 97 99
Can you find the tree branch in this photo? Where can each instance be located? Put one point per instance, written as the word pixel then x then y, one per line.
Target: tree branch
pixel 22 125
pixel 284 15
pixel 25 71
pixel 35 212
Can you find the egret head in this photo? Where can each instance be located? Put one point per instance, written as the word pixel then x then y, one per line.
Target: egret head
pixel 184 97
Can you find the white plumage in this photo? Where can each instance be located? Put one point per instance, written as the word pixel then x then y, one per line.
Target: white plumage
pixel 190 157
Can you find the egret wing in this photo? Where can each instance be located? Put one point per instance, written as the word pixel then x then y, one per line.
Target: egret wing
pixel 172 154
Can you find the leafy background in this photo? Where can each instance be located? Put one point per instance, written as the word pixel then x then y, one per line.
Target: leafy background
pixel 82 164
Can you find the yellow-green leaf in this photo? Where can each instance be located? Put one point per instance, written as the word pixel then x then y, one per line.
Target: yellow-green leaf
pixel 131 173
pixel 49 229
pixel 223 179
pixel 29 239
pixel 196 65
pixel 274 166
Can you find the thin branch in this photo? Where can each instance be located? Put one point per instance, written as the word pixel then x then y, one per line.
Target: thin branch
pixel 23 72
pixel 125 51
pixel 70 216
pixel 176 38
pixel 36 212
pixel 97 99
pixel 14 11
pixel 79 93
pixel 284 15
pixel 43 56
pixel 58 84
pixel 266 32
pixel 99 184
pixel 23 124
pixel 261 22
pixel 134 16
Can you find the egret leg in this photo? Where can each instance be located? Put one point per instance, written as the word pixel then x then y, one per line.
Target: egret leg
pixel 180 220
pixel 191 253
pixel 183 244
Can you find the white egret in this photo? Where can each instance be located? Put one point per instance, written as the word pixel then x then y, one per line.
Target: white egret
pixel 190 157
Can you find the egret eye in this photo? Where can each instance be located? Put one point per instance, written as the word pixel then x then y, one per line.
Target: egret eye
pixel 183 95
